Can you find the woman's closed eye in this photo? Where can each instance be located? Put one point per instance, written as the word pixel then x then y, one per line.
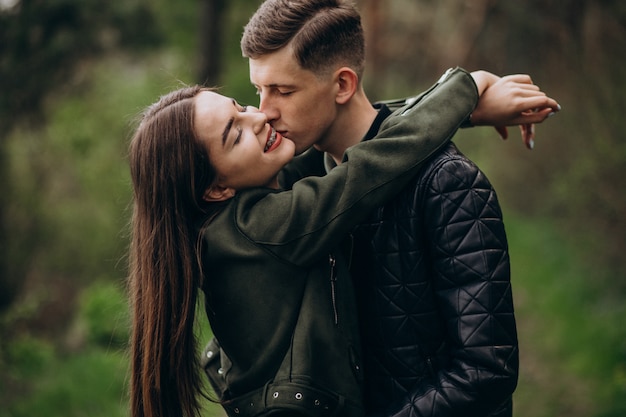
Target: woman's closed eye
pixel 239 130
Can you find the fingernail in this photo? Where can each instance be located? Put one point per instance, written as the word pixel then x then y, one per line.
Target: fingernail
pixel 531 144
pixel 558 106
pixel 551 114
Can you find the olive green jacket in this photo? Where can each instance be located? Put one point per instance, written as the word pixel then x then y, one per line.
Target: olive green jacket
pixel 278 294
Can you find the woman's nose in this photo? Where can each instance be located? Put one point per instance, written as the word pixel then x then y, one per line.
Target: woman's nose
pixel 259 118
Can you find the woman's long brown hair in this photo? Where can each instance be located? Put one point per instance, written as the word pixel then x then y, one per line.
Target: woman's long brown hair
pixel 170 171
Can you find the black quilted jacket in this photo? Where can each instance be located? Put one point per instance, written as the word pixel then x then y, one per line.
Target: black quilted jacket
pixel 433 281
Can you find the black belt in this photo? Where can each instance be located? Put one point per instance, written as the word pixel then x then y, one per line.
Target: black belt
pixel 285 396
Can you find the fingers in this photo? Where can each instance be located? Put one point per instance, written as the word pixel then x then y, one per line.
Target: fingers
pixel 552 104
pixel 535 109
pixel 541 102
pixel 534 116
pixel 520 85
pixel 519 78
pixel 502 131
pixel 528 134
pixel 527 130
pixel 515 100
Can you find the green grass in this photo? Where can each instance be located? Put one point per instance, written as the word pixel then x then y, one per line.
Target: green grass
pixel 90 383
pixel 86 378
pixel 572 333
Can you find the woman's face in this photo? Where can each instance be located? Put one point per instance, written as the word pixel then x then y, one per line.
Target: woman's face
pixel 243 148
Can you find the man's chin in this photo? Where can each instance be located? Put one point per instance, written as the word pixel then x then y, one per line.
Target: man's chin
pixel 301 150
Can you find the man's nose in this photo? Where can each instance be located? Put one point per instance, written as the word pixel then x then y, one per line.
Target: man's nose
pixel 268 108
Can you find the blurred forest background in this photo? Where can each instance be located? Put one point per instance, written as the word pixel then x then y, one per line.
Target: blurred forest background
pixel 74 74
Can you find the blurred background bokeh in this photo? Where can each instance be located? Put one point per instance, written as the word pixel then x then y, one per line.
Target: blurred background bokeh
pixel 74 75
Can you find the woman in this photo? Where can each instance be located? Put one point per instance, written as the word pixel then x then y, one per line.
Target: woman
pixel 207 214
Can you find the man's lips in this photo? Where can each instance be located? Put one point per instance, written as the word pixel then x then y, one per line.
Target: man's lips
pixel 273 140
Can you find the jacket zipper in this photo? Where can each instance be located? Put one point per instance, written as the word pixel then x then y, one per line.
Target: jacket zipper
pixel 333 281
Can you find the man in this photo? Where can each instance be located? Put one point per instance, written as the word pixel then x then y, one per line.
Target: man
pixel 431 268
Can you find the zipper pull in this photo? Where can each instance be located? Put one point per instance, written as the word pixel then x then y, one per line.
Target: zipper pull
pixel 333 279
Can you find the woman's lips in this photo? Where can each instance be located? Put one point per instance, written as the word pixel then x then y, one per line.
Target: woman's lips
pixel 273 140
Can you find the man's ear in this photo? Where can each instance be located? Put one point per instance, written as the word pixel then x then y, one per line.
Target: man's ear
pixel 348 83
pixel 217 193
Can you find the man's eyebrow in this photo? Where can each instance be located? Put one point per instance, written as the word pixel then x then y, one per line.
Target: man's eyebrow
pixel 276 85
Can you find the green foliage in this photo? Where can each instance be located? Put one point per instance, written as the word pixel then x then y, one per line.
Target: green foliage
pixel 43 42
pixel 29 356
pixel 43 47
pixel 103 308
pixel 86 384
pixel 573 356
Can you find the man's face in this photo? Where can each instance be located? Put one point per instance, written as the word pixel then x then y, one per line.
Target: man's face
pixel 299 105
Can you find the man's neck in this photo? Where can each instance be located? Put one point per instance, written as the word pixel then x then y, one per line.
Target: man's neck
pixel 352 124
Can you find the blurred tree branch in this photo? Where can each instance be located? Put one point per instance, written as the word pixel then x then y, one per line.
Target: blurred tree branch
pixel 42 44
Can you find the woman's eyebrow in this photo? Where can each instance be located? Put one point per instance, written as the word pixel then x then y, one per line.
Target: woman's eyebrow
pixel 229 125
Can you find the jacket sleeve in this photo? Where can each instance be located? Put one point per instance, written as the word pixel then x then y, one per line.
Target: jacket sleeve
pixel 310 163
pixel 301 224
pixel 475 372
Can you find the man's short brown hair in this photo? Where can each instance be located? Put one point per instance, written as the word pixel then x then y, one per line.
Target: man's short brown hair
pixel 324 34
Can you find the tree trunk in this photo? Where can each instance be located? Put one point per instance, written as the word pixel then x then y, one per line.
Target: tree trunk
pixel 211 18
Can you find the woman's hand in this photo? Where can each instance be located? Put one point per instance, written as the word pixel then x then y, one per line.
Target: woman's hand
pixel 511 100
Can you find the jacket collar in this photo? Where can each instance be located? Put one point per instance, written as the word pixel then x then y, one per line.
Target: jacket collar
pixel 383 113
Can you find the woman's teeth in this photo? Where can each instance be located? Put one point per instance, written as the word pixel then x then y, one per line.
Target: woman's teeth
pixel 270 141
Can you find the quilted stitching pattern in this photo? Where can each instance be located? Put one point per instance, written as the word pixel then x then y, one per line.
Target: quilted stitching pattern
pixel 434 292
